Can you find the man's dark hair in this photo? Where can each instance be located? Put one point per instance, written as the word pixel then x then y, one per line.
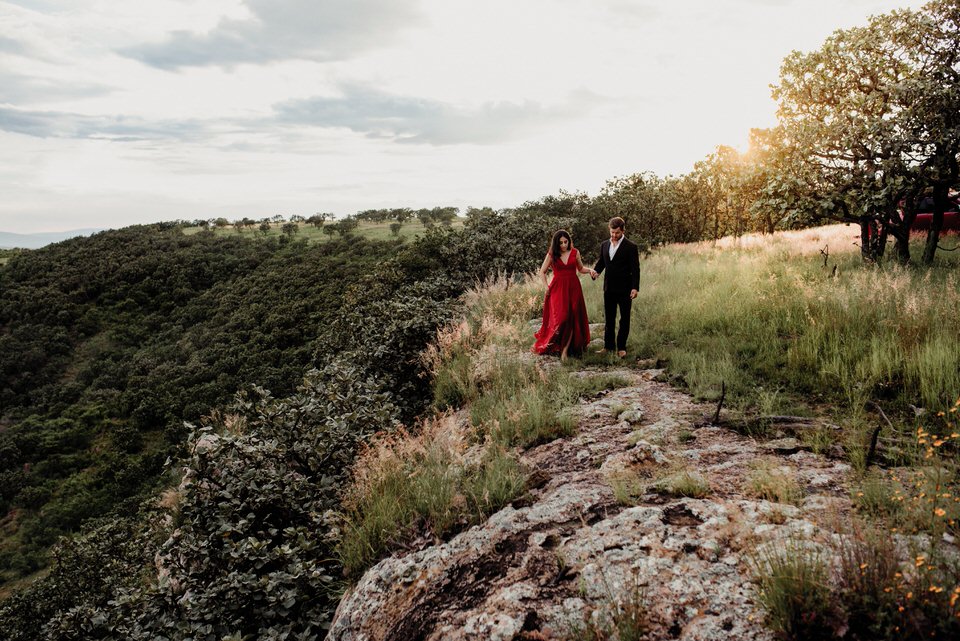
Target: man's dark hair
pixel 616 223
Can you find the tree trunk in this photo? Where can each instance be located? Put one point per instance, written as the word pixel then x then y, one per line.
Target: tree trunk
pixel 872 241
pixel 865 239
pixel 902 244
pixel 933 235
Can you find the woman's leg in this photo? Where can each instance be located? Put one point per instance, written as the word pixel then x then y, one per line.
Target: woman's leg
pixel 566 346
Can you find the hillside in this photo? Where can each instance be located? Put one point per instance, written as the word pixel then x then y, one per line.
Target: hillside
pixel 109 343
pixel 633 511
pixel 422 430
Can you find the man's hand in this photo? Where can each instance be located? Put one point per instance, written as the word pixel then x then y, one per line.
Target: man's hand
pixel 633 294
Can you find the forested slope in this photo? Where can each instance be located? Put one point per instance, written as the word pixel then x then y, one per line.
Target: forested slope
pixel 109 343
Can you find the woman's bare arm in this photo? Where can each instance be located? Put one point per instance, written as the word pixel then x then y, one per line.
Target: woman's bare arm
pixel 545 267
pixel 580 268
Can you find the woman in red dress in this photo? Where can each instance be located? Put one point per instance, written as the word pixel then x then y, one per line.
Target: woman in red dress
pixel 565 328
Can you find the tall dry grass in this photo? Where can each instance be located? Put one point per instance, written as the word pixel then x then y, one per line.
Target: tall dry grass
pixel 763 312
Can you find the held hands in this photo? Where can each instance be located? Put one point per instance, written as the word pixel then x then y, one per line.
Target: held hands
pixel 633 294
pixel 593 274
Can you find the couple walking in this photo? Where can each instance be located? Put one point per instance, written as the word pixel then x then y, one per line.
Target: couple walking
pixel 565 328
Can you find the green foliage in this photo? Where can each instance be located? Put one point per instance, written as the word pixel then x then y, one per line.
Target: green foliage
pixel 769 321
pixel 247 546
pixel 108 343
pixel 682 483
pixel 521 405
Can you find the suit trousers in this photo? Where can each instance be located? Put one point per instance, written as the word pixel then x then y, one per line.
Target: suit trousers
pixel 611 302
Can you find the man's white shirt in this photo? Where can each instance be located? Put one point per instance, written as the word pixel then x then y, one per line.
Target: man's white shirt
pixel 614 248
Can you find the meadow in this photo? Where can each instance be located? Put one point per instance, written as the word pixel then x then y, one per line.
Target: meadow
pixel 797 323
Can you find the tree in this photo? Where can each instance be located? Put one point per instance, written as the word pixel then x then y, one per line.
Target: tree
pixel 290 228
pixel 871 120
pixel 395 228
pixel 318 219
pixel 425 216
pixel 346 226
pixel 444 215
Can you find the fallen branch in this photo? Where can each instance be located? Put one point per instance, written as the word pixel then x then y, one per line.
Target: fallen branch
pixel 723 394
pixel 876 434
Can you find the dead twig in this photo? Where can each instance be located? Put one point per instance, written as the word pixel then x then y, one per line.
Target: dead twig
pixel 876 434
pixel 723 394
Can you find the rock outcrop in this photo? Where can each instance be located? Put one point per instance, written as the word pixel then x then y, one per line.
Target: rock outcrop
pixel 570 555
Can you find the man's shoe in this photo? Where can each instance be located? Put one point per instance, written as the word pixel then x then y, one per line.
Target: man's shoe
pixel 602 351
pixel 622 353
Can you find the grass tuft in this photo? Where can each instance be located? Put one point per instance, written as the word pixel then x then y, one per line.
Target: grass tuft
pixel 791 581
pixel 775 483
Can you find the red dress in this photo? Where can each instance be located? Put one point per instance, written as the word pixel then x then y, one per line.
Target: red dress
pixel 564 312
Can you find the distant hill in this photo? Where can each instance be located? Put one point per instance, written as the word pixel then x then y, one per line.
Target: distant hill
pixel 9 240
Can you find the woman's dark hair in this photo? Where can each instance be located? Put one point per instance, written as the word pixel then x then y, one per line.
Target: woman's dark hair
pixel 555 243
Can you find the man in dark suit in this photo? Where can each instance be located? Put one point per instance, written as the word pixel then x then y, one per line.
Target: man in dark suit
pixel 620 261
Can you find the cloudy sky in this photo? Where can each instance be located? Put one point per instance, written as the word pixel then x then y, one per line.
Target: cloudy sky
pixel 115 112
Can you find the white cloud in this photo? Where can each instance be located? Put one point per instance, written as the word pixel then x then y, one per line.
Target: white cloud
pixel 410 119
pixel 283 29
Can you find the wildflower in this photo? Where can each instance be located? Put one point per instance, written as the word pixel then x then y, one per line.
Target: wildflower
pixel 920 560
pixel 936 589
pixel 939 511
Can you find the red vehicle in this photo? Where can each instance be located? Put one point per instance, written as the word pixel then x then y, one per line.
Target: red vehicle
pixel 951 217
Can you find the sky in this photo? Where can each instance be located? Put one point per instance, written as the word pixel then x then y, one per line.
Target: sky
pixel 115 113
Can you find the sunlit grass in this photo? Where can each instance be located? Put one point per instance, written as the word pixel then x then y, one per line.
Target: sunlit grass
pixel 765 312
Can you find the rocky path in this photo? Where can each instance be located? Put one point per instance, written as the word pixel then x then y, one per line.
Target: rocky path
pixel 569 556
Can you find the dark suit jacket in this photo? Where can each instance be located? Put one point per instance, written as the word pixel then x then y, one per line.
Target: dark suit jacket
pixel 623 272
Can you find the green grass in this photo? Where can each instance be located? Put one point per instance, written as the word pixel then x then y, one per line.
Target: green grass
pixel 417 485
pixel 682 483
pixel 766 315
pixel 624 616
pixel 792 586
pixel 521 405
